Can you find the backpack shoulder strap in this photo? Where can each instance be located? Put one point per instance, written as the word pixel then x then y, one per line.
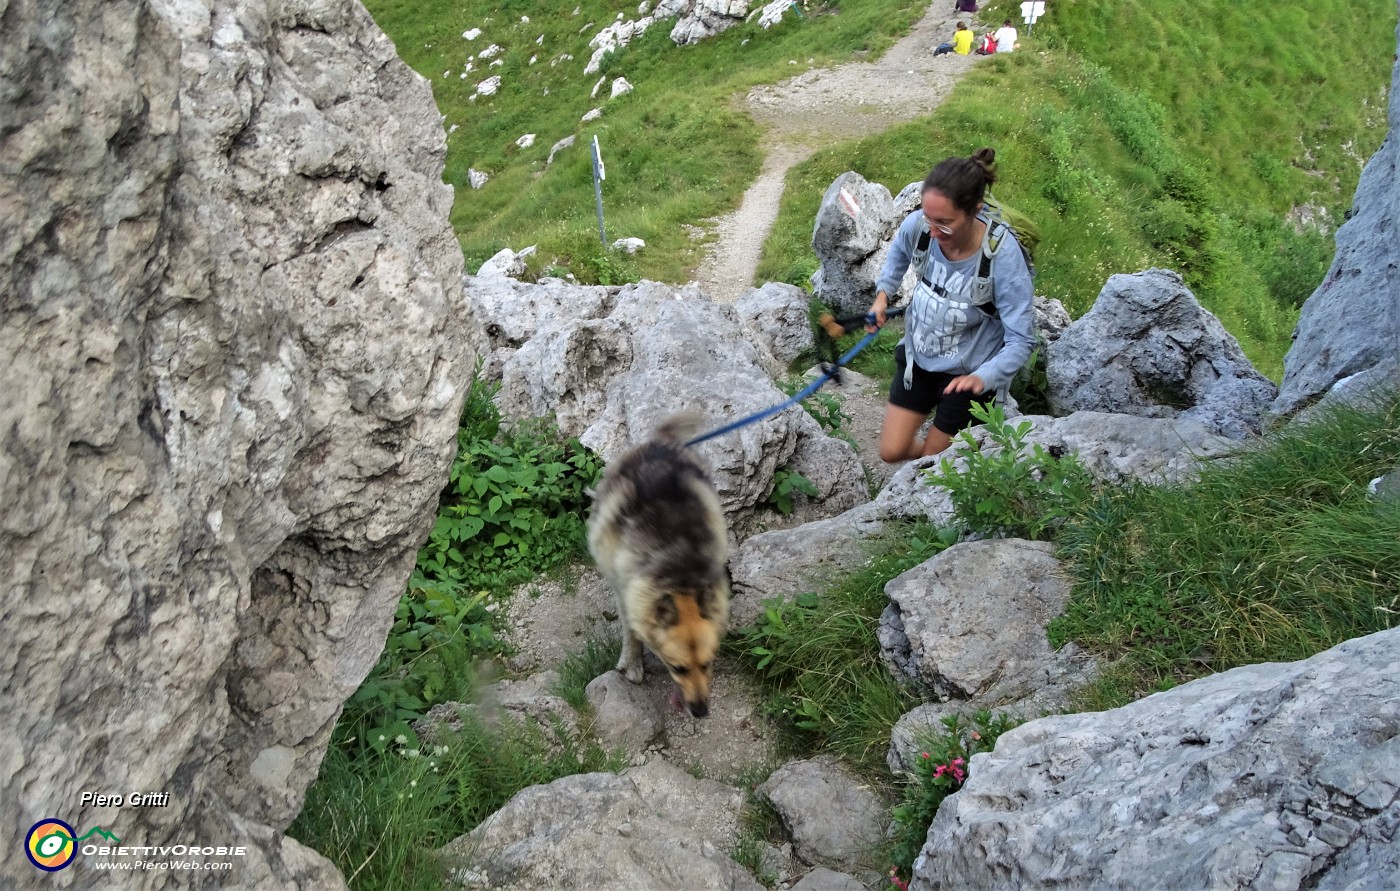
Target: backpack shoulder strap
pixel 919 258
pixel 991 243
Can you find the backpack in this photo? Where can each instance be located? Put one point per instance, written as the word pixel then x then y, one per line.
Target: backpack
pixel 1001 219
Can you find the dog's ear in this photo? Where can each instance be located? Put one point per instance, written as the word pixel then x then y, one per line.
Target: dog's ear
pixel 705 602
pixel 666 612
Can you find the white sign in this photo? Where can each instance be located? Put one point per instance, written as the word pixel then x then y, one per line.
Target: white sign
pixel 598 153
pixel 1032 11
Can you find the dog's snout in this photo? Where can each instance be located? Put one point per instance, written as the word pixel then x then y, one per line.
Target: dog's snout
pixel 698 709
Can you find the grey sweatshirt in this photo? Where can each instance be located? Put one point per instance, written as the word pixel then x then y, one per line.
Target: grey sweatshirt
pixel 943 330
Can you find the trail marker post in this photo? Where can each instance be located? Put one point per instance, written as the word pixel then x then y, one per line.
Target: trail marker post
pixel 1031 11
pixel 599 174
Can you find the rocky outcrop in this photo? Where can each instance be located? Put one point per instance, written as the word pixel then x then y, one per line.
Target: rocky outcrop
pixel 611 366
pixel 236 350
pixel 774 317
pixel 1348 333
pixel 968 626
pixel 1148 348
pixel 1268 776
pixel 512 312
pixel 701 19
pixel 854 225
pixel 651 827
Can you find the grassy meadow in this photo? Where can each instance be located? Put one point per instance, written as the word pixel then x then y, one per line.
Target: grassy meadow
pixel 676 150
pixel 1221 141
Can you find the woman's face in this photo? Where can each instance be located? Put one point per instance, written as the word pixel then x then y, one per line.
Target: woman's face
pixel 948 224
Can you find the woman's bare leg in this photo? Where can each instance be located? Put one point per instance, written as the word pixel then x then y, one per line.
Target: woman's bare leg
pixel 899 436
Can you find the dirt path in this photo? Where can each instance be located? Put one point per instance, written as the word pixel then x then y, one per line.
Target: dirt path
pixel 820 108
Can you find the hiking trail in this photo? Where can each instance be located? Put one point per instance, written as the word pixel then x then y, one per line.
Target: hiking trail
pixel 822 107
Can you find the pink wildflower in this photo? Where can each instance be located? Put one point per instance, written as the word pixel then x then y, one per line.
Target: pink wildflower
pixel 897 881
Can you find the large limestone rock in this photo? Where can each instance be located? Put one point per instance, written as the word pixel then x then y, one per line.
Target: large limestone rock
pixel 1348 334
pixel 1148 348
pixel 651 827
pixel 651 350
pixel 701 19
pixel 512 311
pixel 853 228
pixel 969 624
pixel 235 351
pixel 1268 776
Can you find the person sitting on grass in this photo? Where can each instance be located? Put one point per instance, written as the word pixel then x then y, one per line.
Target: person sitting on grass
pixel 962 42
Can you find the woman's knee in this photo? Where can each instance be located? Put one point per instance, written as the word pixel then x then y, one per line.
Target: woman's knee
pixel 892 453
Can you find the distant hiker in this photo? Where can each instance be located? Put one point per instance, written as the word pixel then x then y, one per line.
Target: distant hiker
pixel 1006 37
pixel 965 6
pixel 962 42
pixel 954 352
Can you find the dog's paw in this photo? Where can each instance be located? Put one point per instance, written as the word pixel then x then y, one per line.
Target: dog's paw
pixel 633 672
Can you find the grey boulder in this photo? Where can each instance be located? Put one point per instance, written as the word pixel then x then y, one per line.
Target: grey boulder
pixel 1148 348
pixel 1280 776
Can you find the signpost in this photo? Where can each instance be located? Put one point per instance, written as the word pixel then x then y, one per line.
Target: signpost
pixel 599 174
pixel 1031 11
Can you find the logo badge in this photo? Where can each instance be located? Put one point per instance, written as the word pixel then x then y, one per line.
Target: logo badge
pixel 50 844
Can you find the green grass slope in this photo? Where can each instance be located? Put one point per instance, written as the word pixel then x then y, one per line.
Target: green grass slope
pixel 1159 132
pixel 677 149
pixel 1156 132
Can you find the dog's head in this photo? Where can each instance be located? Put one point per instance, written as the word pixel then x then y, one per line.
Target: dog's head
pixel 688 631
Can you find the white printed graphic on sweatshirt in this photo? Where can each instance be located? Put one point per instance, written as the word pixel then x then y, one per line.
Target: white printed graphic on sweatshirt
pixel 941 312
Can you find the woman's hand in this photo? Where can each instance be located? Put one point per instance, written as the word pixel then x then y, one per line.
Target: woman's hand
pixel 877 309
pixel 967 383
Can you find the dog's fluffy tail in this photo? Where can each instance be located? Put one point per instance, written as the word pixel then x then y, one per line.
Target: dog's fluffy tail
pixel 680 427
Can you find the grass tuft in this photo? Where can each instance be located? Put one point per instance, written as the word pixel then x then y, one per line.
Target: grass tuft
pixel 1274 556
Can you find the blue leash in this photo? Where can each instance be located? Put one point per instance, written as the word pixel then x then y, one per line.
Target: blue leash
pixel 814 386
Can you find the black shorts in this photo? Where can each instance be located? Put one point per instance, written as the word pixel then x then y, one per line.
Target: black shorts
pixel 951 411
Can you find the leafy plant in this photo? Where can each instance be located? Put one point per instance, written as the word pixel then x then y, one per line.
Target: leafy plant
pixel 786 485
pixel 824 407
pixel 939 771
pixel 514 501
pixel 512 508
pixel 1009 490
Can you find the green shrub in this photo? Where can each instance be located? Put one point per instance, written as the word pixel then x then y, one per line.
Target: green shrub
pixel 514 502
pixel 1009 490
